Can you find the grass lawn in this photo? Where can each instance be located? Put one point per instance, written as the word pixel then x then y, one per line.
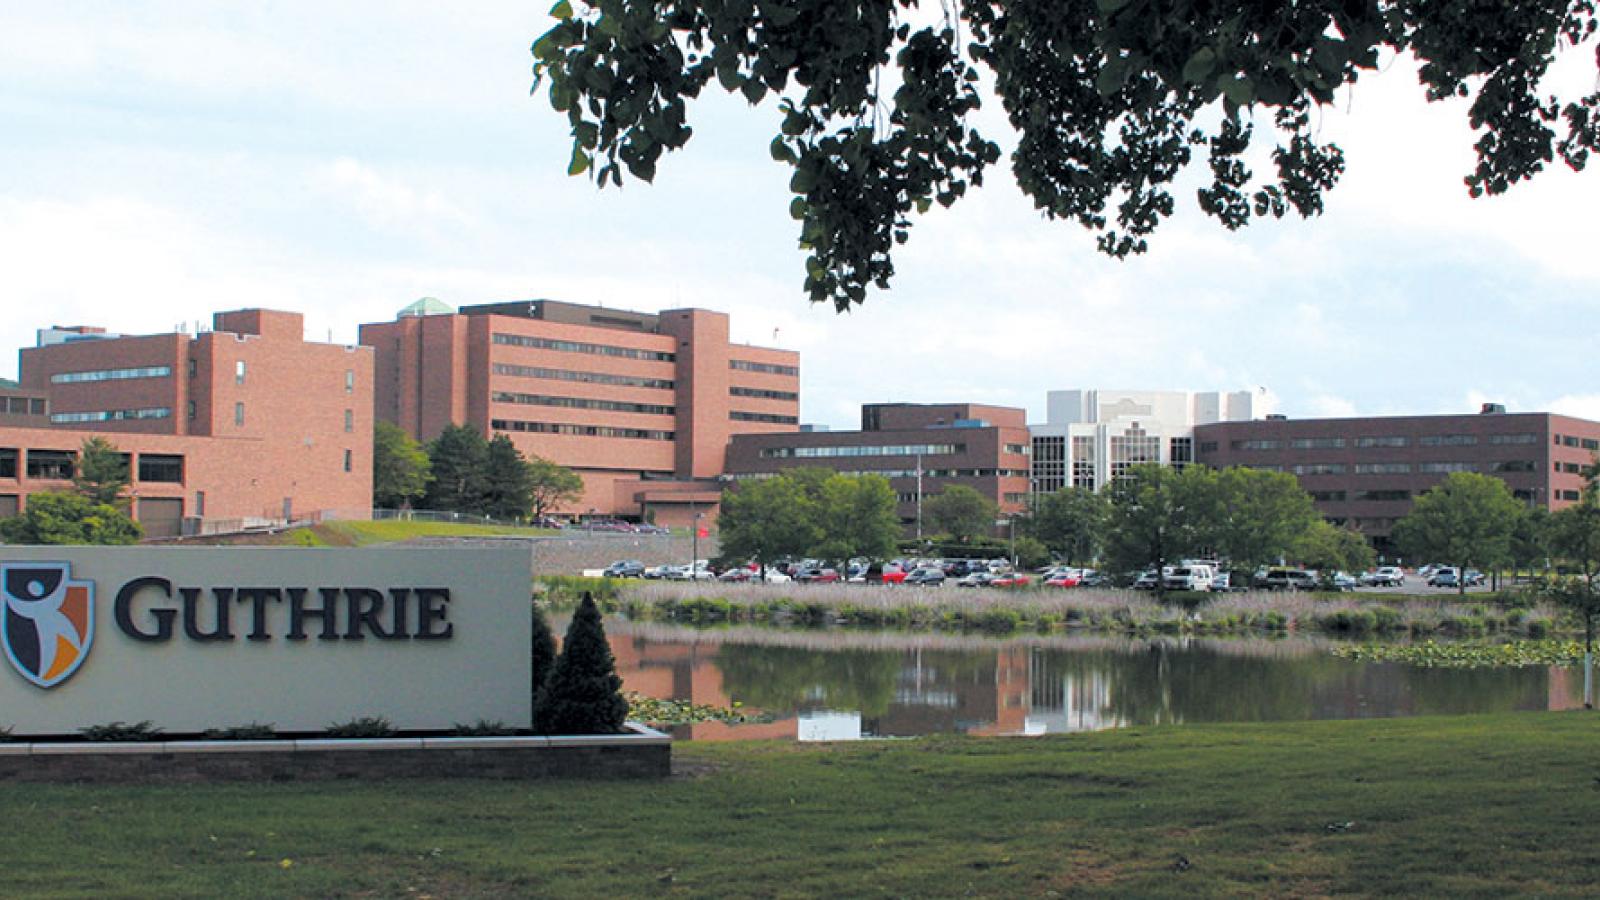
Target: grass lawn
pixel 1481 805
pixel 361 534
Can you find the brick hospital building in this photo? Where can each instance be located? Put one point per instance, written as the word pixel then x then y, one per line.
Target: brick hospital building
pixel 641 405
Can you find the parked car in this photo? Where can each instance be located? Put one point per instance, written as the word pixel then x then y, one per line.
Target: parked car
pixel 1342 581
pixel 882 573
pixel 932 576
pixel 1188 578
pixel 1474 577
pixel 1444 577
pixel 1093 579
pixel 1285 580
pixel 1148 580
pixel 625 568
pixel 660 572
pixel 1384 576
pixel 817 575
pixel 772 576
pixel 975 579
pixel 1009 579
pixel 1063 578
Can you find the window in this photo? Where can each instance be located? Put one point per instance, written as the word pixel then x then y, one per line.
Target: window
pixel 111 415
pixel 1018 449
pixel 8 462
pixel 1257 445
pixel 1569 441
pixel 1084 456
pixel 654 409
pixel 517 340
pixel 57 465
pixel 1383 496
pixel 1016 498
pixel 1447 467
pixel 1590 444
pixel 349 420
pixel 238 372
pixel 1180 451
pixel 1327 496
pixel 769 418
pixel 1447 440
pixel 160 467
pixel 1131 448
pixel 1049 464
pixel 768 368
pixel 348 460
pixel 1523 438
pixel 1208 446
pixel 238 414
pixel 1387 441
pixel 1319 469
pixel 200 503
pixel 880 450
pixel 1514 465
pixel 36 406
pixel 1569 495
pixel 349 381
pixel 583 377
pixel 640 434
pixel 111 374
pixel 191 410
pixel 1383 468
pixel 1570 468
pixel 762 394
pixel 1317 443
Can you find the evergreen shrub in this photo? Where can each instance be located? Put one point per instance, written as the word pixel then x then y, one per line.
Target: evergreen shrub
pixel 583 694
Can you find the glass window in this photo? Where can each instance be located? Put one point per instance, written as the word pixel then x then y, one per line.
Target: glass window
pixel 1387 441
pixel 238 414
pixel 238 372
pixel 8 462
pixel 349 381
pixel 762 394
pixel 768 368
pixel 517 340
pixel 769 418
pixel 654 409
pixel 347 460
pixel 161 467
pixel 49 465
pixel 111 374
pixel 592 377
pixel 349 420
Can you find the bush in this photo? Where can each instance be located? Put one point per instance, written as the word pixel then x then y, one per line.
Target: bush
pixel 121 731
pixel 483 728
pixel 542 653
pixel 364 727
pixel 255 731
pixel 583 694
pixel 562 591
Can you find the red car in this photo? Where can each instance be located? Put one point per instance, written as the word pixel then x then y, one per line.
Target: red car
pixel 1009 579
pixel 816 576
pixel 884 573
pixel 1064 580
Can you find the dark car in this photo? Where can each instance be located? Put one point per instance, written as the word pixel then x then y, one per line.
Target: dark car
pixel 1286 580
pixel 926 575
pixel 816 575
pixel 625 568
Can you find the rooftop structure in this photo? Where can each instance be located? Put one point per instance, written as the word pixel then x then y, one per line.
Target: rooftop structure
pixel 1090 436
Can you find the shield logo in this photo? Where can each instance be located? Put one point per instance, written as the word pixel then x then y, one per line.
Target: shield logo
pixel 46 620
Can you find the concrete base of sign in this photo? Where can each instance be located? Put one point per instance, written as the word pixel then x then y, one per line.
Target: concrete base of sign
pixel 641 753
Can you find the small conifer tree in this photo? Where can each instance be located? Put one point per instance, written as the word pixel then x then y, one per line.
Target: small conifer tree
pixel 583 693
pixel 543 653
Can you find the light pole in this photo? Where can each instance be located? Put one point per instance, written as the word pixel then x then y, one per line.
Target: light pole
pixel 919 499
pixel 694 553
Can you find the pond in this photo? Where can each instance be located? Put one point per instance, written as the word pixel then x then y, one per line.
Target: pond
pixel 816 685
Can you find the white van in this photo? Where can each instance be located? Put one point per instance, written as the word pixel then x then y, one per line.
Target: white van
pixel 1197 577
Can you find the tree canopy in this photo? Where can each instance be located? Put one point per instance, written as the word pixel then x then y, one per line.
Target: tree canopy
pixel 1465 520
pixel 960 512
pixel 63 517
pixel 551 485
pixel 808 512
pixel 400 467
pixel 458 456
pixel 102 472
pixel 1070 521
pixel 1110 100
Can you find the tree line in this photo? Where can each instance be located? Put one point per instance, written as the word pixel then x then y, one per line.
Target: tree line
pixel 459 471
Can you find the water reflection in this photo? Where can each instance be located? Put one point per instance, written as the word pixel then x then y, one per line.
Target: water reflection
pixel 844 685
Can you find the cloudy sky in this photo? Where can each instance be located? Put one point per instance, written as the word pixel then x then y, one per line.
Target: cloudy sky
pixel 164 160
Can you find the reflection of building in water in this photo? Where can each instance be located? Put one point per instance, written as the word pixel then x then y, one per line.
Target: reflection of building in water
pixel 1068 701
pixel 688 671
pixel 941 691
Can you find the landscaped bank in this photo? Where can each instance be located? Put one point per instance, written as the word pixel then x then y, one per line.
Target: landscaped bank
pixel 1006 611
pixel 1485 805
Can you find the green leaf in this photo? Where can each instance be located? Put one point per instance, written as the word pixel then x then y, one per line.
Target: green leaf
pixel 1199 65
pixel 1237 88
pixel 580 160
pixel 753 90
pixel 781 151
pixel 798 208
pixel 1110 6
pixel 562 10
pixel 803 181
pixel 1113 74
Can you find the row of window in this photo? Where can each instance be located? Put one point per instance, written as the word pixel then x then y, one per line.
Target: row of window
pixel 769 418
pixel 22 406
pixel 763 394
pixel 652 409
pixel 867 450
pixel 112 415
pixel 584 377
pixel 638 434
pixel 908 473
pixel 111 374
pixel 744 365
pixel 1339 443
pixel 60 465
pixel 1401 468
pixel 537 343
pixel 1567 440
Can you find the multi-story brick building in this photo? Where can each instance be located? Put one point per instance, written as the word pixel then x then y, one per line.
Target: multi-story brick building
pixel 247 421
pixel 640 405
pixel 1365 472
pixel 920 448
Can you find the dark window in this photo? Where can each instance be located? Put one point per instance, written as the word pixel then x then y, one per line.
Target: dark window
pixel 584 377
pixel 161 467
pixel 764 417
pixel 8 462
pixel 1514 465
pixel 1208 446
pixel 763 394
pixel 1569 495
pixel 652 409
pixel 349 420
pixel 640 434
pixel 51 464
pixel 517 340
pixel 768 368
pixel 1328 496
pixel 347 460
pixel 1383 496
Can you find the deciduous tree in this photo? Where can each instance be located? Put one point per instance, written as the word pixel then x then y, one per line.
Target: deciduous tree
pixel 63 517
pixel 552 485
pixel 1155 515
pixel 1465 520
pixel 1258 516
pixel 1072 522
pixel 400 467
pixel 1328 548
pixel 766 519
pixel 1111 101
pixel 960 512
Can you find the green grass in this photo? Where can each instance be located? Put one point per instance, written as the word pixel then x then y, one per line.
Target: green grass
pixel 362 534
pixel 1482 805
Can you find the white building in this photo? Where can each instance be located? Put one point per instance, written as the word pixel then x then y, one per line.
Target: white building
pixel 1089 437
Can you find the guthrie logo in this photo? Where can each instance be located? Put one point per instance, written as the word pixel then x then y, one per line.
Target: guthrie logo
pixel 46 620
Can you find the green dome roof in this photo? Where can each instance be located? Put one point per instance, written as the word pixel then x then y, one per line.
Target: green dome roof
pixel 428 306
